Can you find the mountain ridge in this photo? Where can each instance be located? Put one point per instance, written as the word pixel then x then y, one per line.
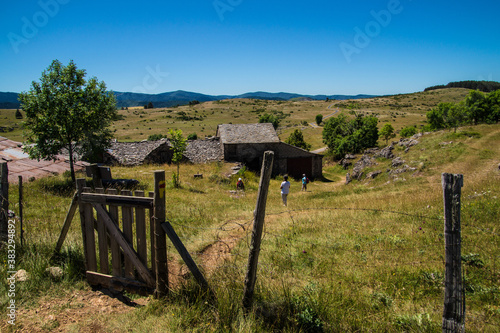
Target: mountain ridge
pixel 8 100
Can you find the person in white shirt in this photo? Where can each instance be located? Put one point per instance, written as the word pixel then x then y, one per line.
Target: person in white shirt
pixel 285 188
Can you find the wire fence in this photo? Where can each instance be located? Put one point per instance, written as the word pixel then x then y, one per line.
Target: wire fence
pixel 286 250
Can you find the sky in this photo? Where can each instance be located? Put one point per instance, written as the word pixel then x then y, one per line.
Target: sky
pixel 230 47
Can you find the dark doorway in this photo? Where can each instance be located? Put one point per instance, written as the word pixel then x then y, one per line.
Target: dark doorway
pixel 298 166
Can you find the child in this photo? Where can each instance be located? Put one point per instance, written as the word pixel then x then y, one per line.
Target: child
pixel 240 185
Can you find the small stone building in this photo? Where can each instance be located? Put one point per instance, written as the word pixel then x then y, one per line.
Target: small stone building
pixel 247 143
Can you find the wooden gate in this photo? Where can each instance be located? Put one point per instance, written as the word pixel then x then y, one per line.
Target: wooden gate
pixel 124 238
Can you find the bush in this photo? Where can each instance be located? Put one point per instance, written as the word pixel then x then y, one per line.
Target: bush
pixel 192 136
pixel 156 137
pixel 408 131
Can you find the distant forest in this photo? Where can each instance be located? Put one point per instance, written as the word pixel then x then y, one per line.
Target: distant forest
pixel 485 86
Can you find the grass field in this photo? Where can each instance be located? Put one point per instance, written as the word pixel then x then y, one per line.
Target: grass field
pixel 137 124
pixel 368 256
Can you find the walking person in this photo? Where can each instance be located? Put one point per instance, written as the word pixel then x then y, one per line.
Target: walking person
pixel 285 188
pixel 305 181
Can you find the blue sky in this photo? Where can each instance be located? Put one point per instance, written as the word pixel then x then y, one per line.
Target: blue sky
pixel 237 46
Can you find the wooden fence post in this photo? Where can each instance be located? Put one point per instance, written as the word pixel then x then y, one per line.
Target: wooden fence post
pixel 258 225
pixel 160 238
pixel 96 175
pixel 454 297
pixel 4 201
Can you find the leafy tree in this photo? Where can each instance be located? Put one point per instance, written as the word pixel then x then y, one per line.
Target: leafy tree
pixel 408 131
pixel 493 104
pixel 387 132
pixel 64 111
pixel 297 139
pixel 179 147
pixel 343 136
pixel 436 118
pixel 319 119
pixel 19 115
pixel 477 108
pixel 456 116
pixel 269 118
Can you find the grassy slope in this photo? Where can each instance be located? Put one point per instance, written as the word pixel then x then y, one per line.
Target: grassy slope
pixel 338 257
pixel 137 123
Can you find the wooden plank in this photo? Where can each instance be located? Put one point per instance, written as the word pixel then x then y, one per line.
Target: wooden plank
pixel 80 183
pixel 119 200
pixel 184 254
pixel 67 222
pixel 90 237
pixel 140 230
pixel 114 232
pixel 151 236
pixel 128 220
pixel 102 240
pixel 160 237
pixel 118 283
pixel 116 252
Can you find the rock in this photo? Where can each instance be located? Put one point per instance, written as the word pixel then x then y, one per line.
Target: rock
pixel 364 162
pixel 397 162
pixel 21 275
pixel 347 178
pixel 55 272
pixel 345 163
pixel 386 152
pixel 373 174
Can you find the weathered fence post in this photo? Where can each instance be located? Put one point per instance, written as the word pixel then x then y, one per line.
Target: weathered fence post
pixel 96 175
pixel 160 238
pixel 258 224
pixel 4 200
pixel 454 297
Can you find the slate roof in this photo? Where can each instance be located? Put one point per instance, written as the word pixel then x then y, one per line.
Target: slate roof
pixel 134 153
pixel 19 163
pixel 247 133
pixel 203 151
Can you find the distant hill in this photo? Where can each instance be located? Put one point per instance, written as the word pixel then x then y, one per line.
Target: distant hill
pixel 8 100
pixel 485 86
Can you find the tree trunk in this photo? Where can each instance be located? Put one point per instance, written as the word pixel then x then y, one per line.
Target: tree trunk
pixel 71 166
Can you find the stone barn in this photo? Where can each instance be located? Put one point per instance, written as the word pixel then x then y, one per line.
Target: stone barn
pixel 246 143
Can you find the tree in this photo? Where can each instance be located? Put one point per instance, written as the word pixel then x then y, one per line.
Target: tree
pixel 319 119
pixel 64 111
pixel 344 136
pixel 179 147
pixel 387 132
pixel 493 103
pixel 269 118
pixel 408 131
pixel 477 108
pixel 19 115
pixel 456 116
pixel 297 139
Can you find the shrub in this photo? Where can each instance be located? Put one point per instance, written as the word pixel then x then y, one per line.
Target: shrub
pixel 408 131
